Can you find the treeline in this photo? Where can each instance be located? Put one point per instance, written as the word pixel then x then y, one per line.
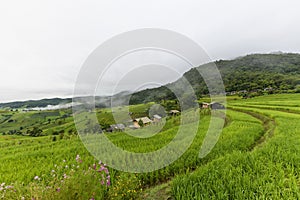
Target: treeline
pixel 252 74
pixel 35 103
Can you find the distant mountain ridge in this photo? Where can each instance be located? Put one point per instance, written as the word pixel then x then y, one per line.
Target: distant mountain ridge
pixel 255 72
pixel 36 103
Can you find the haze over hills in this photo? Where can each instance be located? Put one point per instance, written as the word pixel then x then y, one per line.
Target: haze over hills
pixel 277 72
pixel 252 73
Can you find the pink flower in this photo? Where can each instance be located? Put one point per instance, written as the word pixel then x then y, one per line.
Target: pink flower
pixel 108 182
pixel 9 187
pixel 58 190
pixel 78 159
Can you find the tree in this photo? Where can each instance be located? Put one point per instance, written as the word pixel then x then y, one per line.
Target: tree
pixel 35 132
pixel 140 122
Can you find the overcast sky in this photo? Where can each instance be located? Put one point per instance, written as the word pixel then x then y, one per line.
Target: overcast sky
pixel 44 43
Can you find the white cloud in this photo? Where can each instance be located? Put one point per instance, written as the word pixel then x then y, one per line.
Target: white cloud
pixel 44 43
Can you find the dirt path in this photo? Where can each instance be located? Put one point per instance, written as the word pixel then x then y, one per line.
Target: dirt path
pixel 163 191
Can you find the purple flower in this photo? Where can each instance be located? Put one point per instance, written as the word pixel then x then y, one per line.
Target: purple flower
pixel 78 159
pixel 101 169
pixel 58 190
pixel 108 182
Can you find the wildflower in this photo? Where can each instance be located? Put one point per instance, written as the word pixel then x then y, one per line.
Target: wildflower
pixel 2 184
pixel 102 182
pixel 78 159
pixel 58 190
pixel 53 171
pixel 65 176
pixel 66 166
pixel 101 168
pixel 22 198
pixel 9 187
pixel 94 166
pixel 36 178
pixel 108 182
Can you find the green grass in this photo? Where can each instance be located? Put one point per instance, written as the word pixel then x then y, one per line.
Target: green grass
pixel 268 172
pixel 249 161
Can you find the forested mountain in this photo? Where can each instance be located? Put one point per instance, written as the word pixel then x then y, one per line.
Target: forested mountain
pixel 256 73
pixel 36 103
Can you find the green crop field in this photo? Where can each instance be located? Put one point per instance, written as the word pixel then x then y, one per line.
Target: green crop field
pixel 255 157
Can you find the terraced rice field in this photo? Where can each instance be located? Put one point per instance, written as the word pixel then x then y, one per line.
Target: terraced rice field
pixel 256 157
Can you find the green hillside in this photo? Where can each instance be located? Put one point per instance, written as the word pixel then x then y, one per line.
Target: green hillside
pixel 257 73
pixel 256 157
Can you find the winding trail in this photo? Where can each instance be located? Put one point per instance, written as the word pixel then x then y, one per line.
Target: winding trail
pixel 163 191
pixel 269 125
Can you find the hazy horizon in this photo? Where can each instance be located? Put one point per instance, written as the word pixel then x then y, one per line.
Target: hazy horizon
pixel 71 95
pixel 44 43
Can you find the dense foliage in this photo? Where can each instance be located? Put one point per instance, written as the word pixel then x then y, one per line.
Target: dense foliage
pixel 258 73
